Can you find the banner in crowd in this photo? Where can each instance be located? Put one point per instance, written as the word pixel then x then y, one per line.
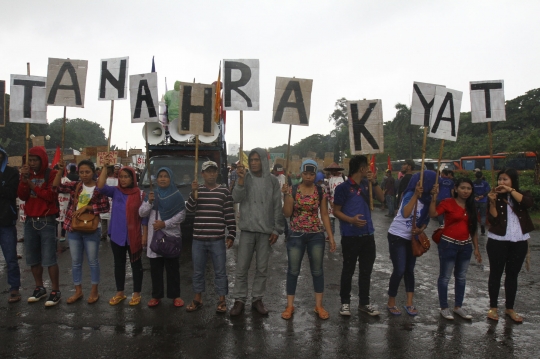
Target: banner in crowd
pixel 445 114
pixel 113 79
pixel 196 109
pixel 27 99
pixel 292 101
pixel 102 156
pixel 143 92
pixel 365 126
pixel 139 161
pixel 487 101
pixel 66 82
pixel 241 85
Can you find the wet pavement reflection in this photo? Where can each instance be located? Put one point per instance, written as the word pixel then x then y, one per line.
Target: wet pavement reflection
pixel 102 331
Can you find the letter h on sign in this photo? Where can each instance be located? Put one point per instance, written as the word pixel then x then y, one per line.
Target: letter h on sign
pixel 196 108
pixel 366 132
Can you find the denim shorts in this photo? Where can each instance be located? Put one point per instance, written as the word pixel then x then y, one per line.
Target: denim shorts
pixel 40 241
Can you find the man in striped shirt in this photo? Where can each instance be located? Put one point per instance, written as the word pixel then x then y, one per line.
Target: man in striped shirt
pixel 213 212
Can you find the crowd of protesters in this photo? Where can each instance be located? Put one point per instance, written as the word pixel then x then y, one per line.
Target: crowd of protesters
pixel 259 205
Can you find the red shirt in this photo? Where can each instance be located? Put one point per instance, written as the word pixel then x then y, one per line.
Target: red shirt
pixel 456 219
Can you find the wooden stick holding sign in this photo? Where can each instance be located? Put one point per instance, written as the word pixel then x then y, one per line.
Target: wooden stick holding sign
pixel 371 186
pixel 196 115
pixel 439 162
pixel 110 129
pixel 423 155
pixel 366 131
pixel 28 124
pixel 63 134
pixel 288 153
pixel 488 105
pixel 241 150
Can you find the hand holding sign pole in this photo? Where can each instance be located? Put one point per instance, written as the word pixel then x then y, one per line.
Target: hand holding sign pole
pixel 366 130
pixel 487 105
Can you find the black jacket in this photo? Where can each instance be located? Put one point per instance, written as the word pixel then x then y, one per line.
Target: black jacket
pixel 9 181
pixel 498 224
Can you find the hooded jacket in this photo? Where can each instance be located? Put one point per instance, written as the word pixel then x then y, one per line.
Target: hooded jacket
pixel 9 178
pixel 42 201
pixel 260 201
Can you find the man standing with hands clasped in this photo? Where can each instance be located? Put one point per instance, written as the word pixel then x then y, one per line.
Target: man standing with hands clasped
pixel 351 207
pixel 261 223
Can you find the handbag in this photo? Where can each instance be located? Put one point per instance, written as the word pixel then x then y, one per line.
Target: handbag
pixel 419 242
pixel 164 245
pixel 86 222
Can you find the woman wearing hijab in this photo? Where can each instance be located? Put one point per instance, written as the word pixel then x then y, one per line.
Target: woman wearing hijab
pixel 416 196
pixel 167 202
pixel 125 231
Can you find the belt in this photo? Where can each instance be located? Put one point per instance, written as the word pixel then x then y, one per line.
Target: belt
pixel 459 243
pixel 43 218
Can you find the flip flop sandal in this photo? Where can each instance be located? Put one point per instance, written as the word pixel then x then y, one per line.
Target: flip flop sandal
pixel 410 309
pixel 178 302
pixel 117 299
pixel 221 307
pixel 153 302
pixel 14 297
pixel 515 317
pixel 194 306
pixel 73 299
pixel 135 301
pixel 323 314
pixel 287 314
pixel 493 315
pixel 92 300
pixel 394 310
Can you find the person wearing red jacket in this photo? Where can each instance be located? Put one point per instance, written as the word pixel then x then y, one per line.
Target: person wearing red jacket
pixel 41 209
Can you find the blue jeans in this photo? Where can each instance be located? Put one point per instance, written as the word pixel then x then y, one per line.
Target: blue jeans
pixel 40 241
pixel 403 262
pixel 297 245
pixel 390 204
pixel 457 258
pixel 199 254
pixel 482 208
pixel 8 242
pixel 80 242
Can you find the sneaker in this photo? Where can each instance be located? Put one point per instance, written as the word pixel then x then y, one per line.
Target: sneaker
pixel 39 293
pixel 345 309
pixel 54 298
pixel 369 309
pixel 62 239
pixel 447 314
pixel 462 313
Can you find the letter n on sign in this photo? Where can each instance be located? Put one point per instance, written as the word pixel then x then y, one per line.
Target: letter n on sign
pixel 365 126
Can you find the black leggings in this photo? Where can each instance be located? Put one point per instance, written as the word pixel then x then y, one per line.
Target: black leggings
pixel 119 253
pixel 508 257
pixel 172 267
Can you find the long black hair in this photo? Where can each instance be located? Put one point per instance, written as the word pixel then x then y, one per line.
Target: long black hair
pixel 513 174
pixel 469 206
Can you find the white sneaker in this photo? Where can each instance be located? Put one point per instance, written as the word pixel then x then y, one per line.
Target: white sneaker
pixel 462 313
pixel 447 314
pixel 345 309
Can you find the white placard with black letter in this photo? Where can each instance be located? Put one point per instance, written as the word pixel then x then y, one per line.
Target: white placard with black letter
pixel 241 85
pixel 292 101
pixel 113 80
pixel 143 92
pixel 365 126
pixel 196 109
pixel 66 82
pixel 445 114
pixel 487 101
pixel 27 101
pixel 422 103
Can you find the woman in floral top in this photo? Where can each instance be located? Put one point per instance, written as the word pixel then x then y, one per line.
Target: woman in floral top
pixel 307 234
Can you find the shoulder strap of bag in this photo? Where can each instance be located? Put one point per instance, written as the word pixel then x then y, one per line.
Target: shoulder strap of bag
pixel 76 195
pixel 156 207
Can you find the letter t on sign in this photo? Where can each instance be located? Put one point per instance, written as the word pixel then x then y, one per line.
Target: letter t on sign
pixel 487 101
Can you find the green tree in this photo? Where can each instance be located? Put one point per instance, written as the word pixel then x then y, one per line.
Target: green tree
pixel 340 133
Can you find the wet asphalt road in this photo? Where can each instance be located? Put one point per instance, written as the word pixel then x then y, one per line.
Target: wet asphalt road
pixel 101 331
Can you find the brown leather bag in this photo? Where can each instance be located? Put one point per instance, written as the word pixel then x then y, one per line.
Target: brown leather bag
pixel 419 242
pixel 86 222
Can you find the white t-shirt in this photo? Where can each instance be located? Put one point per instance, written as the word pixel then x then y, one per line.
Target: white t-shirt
pixel 333 182
pixel 401 226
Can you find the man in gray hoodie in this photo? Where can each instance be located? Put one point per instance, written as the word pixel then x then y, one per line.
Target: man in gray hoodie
pixel 261 223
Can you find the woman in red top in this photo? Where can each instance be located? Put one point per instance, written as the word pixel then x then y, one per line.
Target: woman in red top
pixel 456 245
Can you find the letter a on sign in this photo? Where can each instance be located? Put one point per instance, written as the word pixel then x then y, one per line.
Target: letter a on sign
pixel 66 82
pixel 241 85
pixel 292 101
pixel 445 114
pixel 143 92
pixel 27 102
pixel 487 101
pixel 113 80
pixel 422 103
pixel 196 110
pixel 365 126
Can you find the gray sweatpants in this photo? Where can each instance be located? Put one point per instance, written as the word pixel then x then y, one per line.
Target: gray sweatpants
pixel 251 242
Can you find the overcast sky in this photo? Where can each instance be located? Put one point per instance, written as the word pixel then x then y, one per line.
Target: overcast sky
pixel 354 49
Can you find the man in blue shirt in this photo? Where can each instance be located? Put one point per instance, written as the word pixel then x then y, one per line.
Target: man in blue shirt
pixel 481 190
pixel 351 207
pixel 446 190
